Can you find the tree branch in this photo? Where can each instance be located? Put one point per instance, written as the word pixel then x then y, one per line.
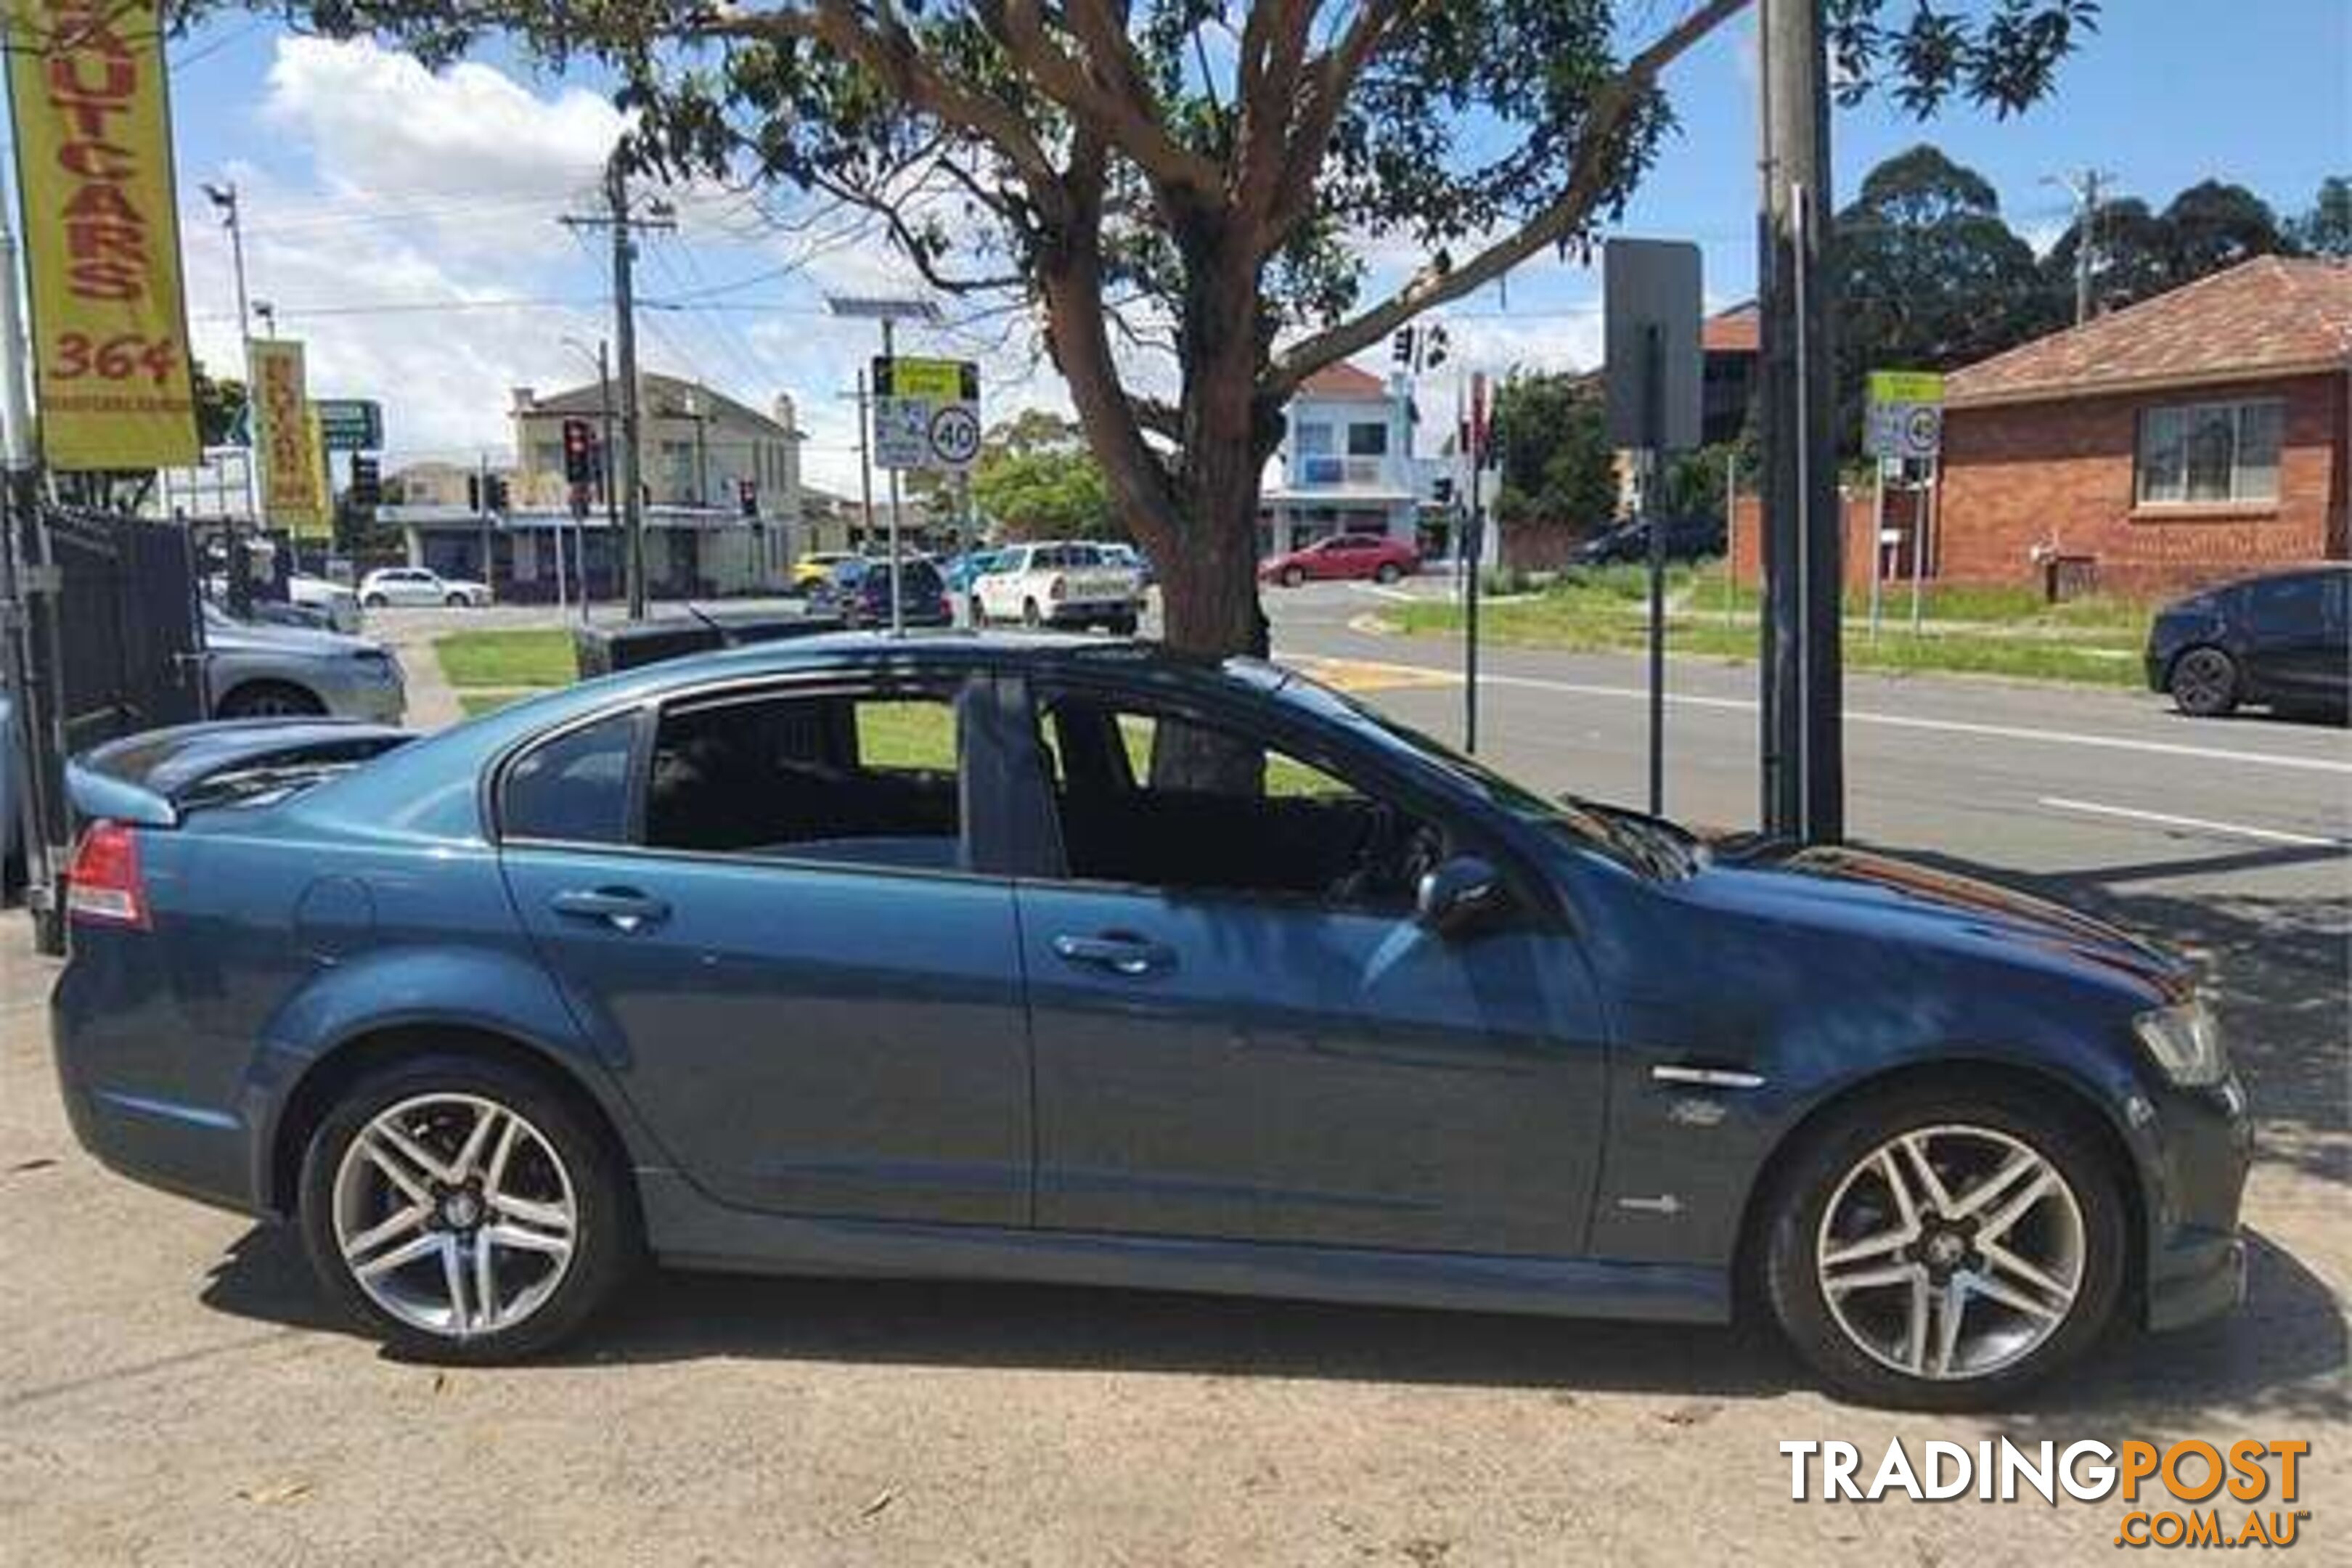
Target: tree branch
pixel 1433 285
pixel 1128 121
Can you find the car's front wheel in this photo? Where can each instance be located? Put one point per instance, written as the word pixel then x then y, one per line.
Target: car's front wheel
pixel 1292 576
pixel 1941 1248
pixel 374 602
pixel 2204 682
pixel 1387 571
pixel 464 1210
pixel 269 699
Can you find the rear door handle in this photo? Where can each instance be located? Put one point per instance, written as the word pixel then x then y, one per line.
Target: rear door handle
pixel 625 910
pixel 1132 956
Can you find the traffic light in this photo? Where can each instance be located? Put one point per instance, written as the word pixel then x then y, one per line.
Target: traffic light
pixel 1401 347
pixel 367 482
pixel 1441 489
pixel 1434 344
pixel 497 498
pixel 578 452
pixel 747 496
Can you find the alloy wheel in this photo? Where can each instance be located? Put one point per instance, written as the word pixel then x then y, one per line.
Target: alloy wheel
pixel 1951 1252
pixel 2204 680
pixel 454 1215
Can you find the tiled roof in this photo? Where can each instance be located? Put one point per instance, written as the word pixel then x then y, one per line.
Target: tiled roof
pixel 1737 330
pixel 661 394
pixel 1343 380
pixel 2270 316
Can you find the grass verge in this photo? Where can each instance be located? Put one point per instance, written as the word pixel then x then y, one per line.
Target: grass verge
pixel 508 658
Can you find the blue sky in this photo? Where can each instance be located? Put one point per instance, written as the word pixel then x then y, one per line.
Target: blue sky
pixel 369 184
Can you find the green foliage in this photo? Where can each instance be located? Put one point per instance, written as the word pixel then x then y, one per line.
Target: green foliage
pixel 1035 479
pixel 219 401
pixel 1553 451
pixel 2139 254
pixel 1932 277
pixel 2327 229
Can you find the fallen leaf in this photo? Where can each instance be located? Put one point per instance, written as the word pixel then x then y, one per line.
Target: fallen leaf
pixel 1688 1414
pixel 881 1500
pixel 275 1492
pixel 40 1162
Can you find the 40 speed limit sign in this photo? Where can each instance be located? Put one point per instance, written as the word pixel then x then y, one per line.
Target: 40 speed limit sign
pixel 927 413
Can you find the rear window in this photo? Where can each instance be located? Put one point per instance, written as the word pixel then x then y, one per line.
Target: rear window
pixel 575 788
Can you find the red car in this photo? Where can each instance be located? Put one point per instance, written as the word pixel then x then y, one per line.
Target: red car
pixel 1372 555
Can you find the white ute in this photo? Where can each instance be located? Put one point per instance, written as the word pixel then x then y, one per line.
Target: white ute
pixel 1058 583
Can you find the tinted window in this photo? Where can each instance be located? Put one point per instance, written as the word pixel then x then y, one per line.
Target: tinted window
pixel 865 779
pixel 2287 605
pixel 1368 440
pixel 1267 824
pixel 575 787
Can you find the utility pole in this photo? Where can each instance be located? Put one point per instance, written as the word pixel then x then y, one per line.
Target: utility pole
pixel 1803 728
pixel 617 217
pixel 865 460
pixel 604 468
pixel 2086 184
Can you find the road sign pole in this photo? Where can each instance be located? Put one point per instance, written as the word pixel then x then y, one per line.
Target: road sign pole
pixel 897 614
pixel 1877 541
pixel 1923 512
pixel 1654 371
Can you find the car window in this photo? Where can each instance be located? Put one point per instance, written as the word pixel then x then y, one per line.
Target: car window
pixel 1267 824
pixel 863 779
pixel 573 788
pixel 2287 605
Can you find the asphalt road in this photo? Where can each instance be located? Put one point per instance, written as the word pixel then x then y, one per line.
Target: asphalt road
pixel 170 1393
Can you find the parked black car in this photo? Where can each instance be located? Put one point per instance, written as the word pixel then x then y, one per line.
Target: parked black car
pixel 859 592
pixel 1687 539
pixel 2282 641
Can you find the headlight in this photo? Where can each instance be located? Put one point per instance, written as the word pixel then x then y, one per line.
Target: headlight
pixel 2186 1043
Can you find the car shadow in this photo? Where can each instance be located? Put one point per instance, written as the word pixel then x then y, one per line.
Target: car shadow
pixel 2285 1352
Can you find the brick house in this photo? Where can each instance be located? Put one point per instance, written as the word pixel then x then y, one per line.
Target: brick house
pixel 2196 435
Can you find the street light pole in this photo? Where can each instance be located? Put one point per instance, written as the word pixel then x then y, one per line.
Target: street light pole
pixel 224 196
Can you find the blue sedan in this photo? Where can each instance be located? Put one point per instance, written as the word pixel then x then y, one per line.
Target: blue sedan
pixel 907 957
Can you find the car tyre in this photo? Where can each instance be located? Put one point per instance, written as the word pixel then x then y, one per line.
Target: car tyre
pixel 1293 576
pixel 374 602
pixel 269 699
pixel 1121 625
pixel 1387 572
pixel 458 601
pixel 1031 617
pixel 2204 683
pixel 1832 1212
pixel 979 612
pixel 557 1163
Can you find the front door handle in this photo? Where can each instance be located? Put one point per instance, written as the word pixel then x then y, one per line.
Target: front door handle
pixel 1132 956
pixel 625 910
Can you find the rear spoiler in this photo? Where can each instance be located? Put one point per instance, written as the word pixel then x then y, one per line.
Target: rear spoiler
pixel 150 779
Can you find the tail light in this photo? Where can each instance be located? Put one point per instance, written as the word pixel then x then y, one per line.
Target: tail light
pixel 104 887
pixel 1060 589
pixel 947 604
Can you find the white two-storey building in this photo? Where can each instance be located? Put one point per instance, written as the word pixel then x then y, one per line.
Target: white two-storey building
pixel 1347 463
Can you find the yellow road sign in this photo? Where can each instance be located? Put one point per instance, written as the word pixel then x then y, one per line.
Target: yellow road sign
pixel 1906 386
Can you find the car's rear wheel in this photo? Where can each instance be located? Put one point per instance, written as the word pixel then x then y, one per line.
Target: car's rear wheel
pixel 1387 572
pixel 458 601
pixel 1030 615
pixel 269 699
pixel 1292 576
pixel 374 602
pixel 1941 1248
pixel 979 612
pixel 2204 682
pixel 464 1210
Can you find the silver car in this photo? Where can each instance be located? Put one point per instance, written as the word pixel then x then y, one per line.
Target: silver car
pixel 253 671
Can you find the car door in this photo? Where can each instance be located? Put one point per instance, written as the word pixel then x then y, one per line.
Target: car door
pixel 998 587
pixel 778 932
pixel 1222 1050
pixel 2292 655
pixel 418 588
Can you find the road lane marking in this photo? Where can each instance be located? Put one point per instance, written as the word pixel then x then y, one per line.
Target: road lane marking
pixel 1897 720
pixel 2197 824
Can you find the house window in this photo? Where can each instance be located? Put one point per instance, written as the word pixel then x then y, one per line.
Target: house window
pixel 1368 440
pixel 1313 440
pixel 2210 452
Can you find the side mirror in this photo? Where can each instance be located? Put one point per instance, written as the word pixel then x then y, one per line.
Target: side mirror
pixel 1459 893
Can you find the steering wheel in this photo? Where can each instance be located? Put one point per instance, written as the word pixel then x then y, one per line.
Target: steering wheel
pixel 1394 854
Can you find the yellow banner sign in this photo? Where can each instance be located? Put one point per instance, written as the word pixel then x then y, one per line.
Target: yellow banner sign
pixel 291 495
pixel 102 235
pixel 1906 386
